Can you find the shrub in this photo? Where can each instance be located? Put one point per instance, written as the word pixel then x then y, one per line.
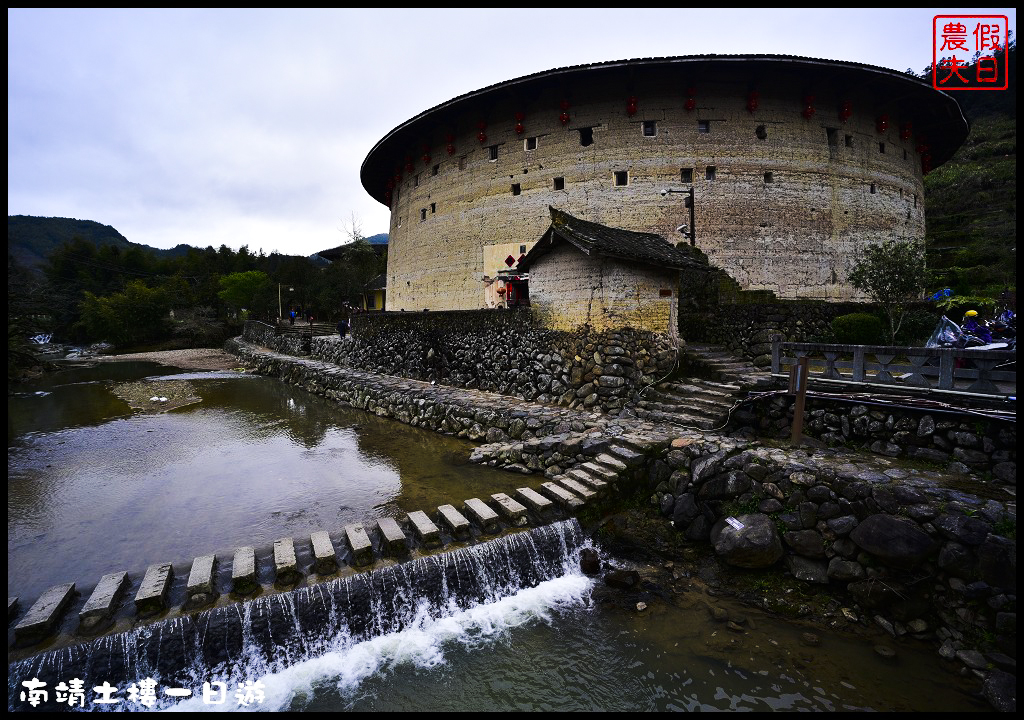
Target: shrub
pixel 857 329
pixel 917 327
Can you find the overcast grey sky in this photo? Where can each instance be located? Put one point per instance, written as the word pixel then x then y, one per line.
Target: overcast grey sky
pixel 248 127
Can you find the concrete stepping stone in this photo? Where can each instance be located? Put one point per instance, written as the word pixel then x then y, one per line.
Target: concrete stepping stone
pixel 513 511
pixel 42 618
pixel 286 566
pixel 455 520
pixel 605 473
pixel 486 518
pixel 243 571
pixel 393 540
pixel 200 589
pixel 325 560
pixel 611 461
pixel 575 487
pixel 156 583
pixel 562 496
pixel 359 543
pixel 581 476
pixel 534 500
pixel 98 612
pixel 630 456
pixel 425 529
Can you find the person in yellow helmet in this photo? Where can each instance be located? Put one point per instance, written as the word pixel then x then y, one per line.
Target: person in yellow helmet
pixel 978 329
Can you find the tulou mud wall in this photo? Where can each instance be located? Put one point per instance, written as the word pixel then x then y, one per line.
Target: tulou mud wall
pixel 506 352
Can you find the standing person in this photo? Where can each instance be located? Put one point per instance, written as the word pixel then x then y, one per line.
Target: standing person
pixel 291 314
pixel 342 328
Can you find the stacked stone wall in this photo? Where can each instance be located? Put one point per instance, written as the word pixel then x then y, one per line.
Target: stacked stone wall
pixel 874 533
pixel 506 352
pixel 747 329
pixel 959 442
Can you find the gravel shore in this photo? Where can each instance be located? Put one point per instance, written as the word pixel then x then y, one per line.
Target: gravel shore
pixel 191 359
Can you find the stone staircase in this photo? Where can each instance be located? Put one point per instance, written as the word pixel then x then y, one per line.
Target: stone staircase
pixel 702 402
pixel 717 363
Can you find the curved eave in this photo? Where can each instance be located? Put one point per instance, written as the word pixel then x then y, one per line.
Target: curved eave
pixel 935 111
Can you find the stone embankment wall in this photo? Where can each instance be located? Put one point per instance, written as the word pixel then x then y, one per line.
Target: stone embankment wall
pixel 266 336
pixel 747 329
pixel 958 442
pixel 918 559
pixel 506 352
pixel 441 409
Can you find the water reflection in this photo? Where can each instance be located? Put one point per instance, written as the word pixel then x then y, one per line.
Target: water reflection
pixel 94 488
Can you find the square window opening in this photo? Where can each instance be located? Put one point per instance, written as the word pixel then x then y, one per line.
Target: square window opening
pixel 904 154
pixel 621 178
pixel 686 175
pixel 703 126
pixel 423 214
pixel 833 137
pixel 586 137
pixel 559 183
pixel 769 177
pixel 433 208
pixel 492 153
pixel 650 128
pixel 462 163
pixel 530 143
pixel 881 147
pixel 761 132
pixel 874 189
pixel 517 189
pixel 436 169
pixel 711 172
pixel 849 140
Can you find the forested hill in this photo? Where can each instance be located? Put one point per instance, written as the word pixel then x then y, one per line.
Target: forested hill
pixel 30 240
pixel 971 201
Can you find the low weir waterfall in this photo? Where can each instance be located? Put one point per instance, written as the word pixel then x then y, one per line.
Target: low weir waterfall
pixel 265 637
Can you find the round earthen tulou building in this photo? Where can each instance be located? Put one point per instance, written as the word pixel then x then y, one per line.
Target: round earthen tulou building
pixel 780 169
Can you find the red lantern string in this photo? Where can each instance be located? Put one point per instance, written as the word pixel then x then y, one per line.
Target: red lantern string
pixel 846 111
pixel 450 147
pixel 564 118
pixel 906 130
pixel 631 106
pixel 481 136
pixel 882 123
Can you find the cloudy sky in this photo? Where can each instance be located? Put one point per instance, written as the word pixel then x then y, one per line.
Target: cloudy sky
pixel 244 127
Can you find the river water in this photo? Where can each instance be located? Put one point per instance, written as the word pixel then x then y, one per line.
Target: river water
pixel 94 488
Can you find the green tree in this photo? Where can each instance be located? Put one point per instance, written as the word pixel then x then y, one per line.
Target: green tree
pixel 251 290
pixel 136 315
pixel 893 274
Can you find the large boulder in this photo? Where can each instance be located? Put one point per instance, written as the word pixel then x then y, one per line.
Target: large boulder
pixel 755 545
pixel 893 540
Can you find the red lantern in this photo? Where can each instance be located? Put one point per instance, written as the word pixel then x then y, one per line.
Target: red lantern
pixel 450 147
pixel 409 167
pixel 845 111
pixel 808 111
pixel 519 128
pixel 753 100
pixel 631 106
pixel 690 105
pixel 519 123
pixel 564 118
pixel 482 137
pixel 906 130
pixel 564 105
pixel 882 123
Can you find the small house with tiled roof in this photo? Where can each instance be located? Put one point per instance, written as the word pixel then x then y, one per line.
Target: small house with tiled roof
pixel 584 273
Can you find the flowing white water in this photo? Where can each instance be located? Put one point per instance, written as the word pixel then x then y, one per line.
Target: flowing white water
pixel 424 646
